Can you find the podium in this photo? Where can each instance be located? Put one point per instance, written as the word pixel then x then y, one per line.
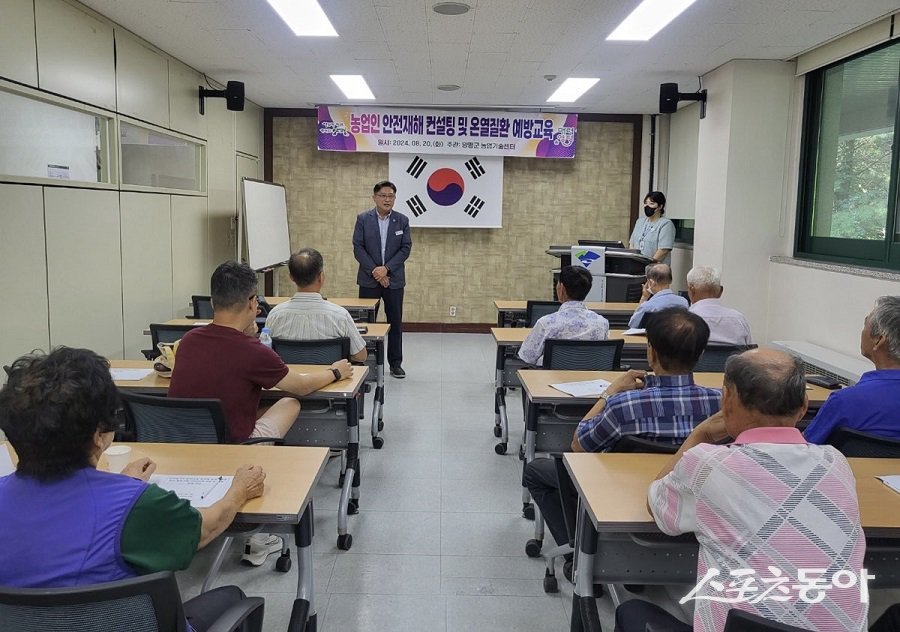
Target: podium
pixel 618 273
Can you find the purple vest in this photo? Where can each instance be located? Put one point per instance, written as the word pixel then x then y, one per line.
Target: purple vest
pixel 64 533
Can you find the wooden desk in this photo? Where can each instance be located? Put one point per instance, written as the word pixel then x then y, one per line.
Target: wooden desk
pixel 536 383
pixel 362 309
pixel 612 492
pixel 285 505
pixel 617 313
pixel 509 339
pixel 153 384
pixel 375 337
pixel 315 425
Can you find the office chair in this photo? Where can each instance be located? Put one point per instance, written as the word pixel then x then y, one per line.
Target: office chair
pixel 740 621
pixel 635 443
pixel 852 442
pixel 144 603
pixel 714 357
pixel 202 306
pixel 153 419
pixel 536 309
pixel 633 292
pixel 312 351
pixel 160 332
pixel 583 355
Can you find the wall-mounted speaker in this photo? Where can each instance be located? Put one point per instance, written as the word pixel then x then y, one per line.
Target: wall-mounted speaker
pixel 669 97
pixel 233 94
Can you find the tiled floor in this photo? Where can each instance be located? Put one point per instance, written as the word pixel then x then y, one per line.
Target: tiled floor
pixel 439 543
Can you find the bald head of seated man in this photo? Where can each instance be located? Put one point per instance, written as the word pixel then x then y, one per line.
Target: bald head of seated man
pixel 873 404
pixel 308 316
pixel 657 295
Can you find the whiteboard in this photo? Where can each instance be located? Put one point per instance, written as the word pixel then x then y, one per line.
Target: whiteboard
pixel 265 223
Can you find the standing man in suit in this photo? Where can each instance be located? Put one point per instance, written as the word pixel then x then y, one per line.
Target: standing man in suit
pixel 381 245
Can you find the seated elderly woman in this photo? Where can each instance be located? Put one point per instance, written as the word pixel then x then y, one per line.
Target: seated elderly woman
pixel 67 524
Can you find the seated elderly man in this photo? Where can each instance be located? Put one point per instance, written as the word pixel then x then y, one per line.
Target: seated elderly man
pixel 657 294
pixel 573 321
pixel 873 404
pixel 67 524
pixel 308 316
pixel 727 326
pixel 769 500
pixel 664 406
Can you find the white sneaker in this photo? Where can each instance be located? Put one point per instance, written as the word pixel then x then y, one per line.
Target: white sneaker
pixel 259 546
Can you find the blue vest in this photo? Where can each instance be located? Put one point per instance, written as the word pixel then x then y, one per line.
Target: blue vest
pixel 67 532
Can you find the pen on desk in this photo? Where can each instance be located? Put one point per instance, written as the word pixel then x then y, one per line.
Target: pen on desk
pixel 210 490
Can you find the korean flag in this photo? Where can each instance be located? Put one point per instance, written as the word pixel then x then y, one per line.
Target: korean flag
pixel 446 191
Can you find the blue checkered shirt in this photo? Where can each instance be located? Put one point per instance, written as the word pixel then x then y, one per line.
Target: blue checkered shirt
pixel 665 410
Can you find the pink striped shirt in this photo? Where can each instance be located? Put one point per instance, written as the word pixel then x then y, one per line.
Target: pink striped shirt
pixel 772 503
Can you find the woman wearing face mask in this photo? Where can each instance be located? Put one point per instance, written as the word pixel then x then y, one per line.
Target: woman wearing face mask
pixel 653 234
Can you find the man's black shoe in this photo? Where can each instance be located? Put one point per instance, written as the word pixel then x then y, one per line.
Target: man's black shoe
pixel 397 372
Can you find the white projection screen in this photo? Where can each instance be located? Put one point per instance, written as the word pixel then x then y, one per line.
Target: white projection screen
pixel 265 224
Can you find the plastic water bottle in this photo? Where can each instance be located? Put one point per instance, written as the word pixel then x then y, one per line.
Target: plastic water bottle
pixel 265 337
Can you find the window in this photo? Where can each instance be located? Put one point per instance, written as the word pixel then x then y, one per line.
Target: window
pixel 160 160
pixel 42 139
pixel 848 207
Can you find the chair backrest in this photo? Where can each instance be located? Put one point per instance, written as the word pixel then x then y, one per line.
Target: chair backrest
pixel 633 443
pixel 537 309
pixel 174 420
pixel 583 355
pixel 740 621
pixel 852 442
pixel 714 357
pixel 202 306
pixel 312 351
pixel 149 603
pixel 167 333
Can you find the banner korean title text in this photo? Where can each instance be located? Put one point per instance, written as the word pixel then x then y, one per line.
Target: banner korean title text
pixel 391 130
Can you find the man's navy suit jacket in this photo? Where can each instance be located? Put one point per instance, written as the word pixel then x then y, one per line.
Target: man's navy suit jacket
pixel 367 248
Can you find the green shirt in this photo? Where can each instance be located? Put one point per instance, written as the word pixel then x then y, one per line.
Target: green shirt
pixel 161 532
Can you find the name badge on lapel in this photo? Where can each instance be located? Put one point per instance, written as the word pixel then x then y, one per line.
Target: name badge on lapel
pixel 399 232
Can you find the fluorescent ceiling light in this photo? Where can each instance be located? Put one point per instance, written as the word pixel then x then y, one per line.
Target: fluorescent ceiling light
pixel 571 89
pixel 648 19
pixel 353 86
pixel 305 17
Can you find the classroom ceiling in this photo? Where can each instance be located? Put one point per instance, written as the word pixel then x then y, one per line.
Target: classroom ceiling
pixel 499 52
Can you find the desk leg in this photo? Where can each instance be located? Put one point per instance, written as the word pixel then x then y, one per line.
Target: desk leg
pixel 303 612
pixel 349 501
pixel 378 399
pixel 528 509
pixel 501 421
pixel 584 606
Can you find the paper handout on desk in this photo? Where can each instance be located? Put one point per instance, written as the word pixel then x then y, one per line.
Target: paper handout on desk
pixel 582 389
pixel 200 491
pixel 129 375
pixel 634 331
pixel 892 481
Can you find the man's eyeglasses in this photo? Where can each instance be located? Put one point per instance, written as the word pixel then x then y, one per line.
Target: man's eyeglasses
pixel 389 196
